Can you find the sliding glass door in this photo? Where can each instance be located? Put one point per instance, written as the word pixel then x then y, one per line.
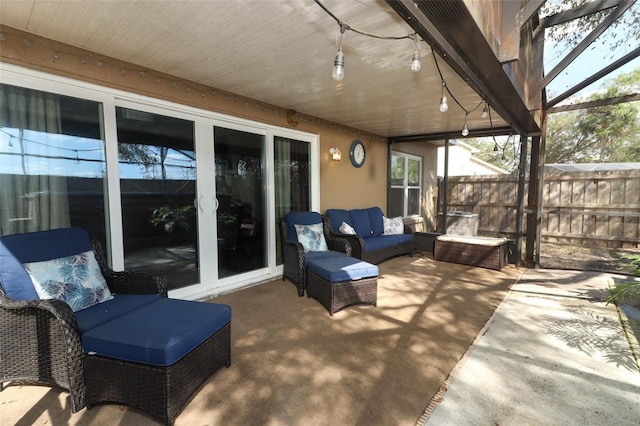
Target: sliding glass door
pixel 240 200
pixel 157 169
pixel 124 167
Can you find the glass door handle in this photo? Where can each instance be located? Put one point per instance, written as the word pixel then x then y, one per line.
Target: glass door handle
pixel 197 203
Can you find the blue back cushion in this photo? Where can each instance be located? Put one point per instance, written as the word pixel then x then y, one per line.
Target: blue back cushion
pixel 14 278
pixel 375 218
pixel 17 249
pixel 361 223
pixel 336 217
pixel 300 218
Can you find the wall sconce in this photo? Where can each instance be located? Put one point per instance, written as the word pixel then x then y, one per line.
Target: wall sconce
pixel 335 154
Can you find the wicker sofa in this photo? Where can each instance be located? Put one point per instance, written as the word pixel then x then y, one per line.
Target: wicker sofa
pixel 370 243
pixel 136 347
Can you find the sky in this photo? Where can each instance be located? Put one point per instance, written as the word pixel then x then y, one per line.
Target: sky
pixel 597 56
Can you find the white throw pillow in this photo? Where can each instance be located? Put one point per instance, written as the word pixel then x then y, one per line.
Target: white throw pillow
pixel 393 226
pixel 347 229
pixel 311 237
pixel 76 280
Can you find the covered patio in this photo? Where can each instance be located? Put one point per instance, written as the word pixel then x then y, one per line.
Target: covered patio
pixel 294 364
pixel 269 64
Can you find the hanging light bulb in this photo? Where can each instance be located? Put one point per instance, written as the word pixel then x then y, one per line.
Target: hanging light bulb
pixel 465 129
pixel 485 110
pixel 338 63
pixel 495 147
pixel 415 60
pixel 444 106
pixel 338 66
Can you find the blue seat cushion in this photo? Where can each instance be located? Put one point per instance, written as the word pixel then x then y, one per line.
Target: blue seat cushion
pixel 158 333
pixel 336 217
pixel 16 249
pixel 300 218
pixel 384 241
pixel 315 255
pixel 119 305
pixel 337 269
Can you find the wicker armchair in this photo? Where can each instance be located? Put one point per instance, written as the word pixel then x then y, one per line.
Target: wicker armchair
pixel 294 257
pixel 40 338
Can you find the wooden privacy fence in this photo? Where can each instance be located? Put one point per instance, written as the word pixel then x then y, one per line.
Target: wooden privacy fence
pixel 597 209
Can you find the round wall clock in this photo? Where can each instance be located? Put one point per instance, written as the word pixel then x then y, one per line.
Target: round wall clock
pixel 357 153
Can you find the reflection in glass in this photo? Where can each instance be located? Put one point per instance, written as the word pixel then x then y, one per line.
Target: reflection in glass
pixel 292 193
pixel 397 170
pixel 158 186
pixel 239 159
pixel 52 164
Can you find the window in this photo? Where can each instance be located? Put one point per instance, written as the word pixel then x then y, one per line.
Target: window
pixel 406 185
pixel 52 162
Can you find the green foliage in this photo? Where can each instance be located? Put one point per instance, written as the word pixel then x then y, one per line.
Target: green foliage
pixel 173 218
pixel 602 134
pixel 627 290
pixel 503 152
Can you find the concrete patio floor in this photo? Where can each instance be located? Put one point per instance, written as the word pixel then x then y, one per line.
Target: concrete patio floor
pixel 553 354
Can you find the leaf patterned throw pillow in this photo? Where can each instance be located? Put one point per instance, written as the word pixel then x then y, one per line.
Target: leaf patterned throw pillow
pixel 311 237
pixel 76 280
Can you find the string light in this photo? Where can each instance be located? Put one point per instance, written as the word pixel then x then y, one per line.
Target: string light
pixel 415 60
pixel 465 129
pixel 485 110
pixel 338 63
pixel 444 106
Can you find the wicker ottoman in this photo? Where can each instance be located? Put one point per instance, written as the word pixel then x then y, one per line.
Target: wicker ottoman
pixel 484 252
pixel 342 281
pixel 157 369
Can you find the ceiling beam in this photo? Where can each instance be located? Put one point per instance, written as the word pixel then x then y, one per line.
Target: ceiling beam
pixel 597 103
pixel 475 133
pixel 528 11
pixel 579 12
pixel 595 77
pixel 581 47
pixel 467 52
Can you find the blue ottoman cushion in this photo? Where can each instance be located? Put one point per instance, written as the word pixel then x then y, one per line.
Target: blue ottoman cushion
pixel 159 333
pixel 344 268
pixel 106 311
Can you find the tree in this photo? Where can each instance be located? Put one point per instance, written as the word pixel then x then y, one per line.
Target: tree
pixel 608 133
pixel 501 151
pixel 624 31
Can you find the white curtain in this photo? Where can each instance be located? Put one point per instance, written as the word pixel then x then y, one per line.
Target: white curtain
pixel 33 188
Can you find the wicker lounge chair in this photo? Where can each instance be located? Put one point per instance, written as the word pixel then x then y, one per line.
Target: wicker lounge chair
pixel 294 257
pixel 43 341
